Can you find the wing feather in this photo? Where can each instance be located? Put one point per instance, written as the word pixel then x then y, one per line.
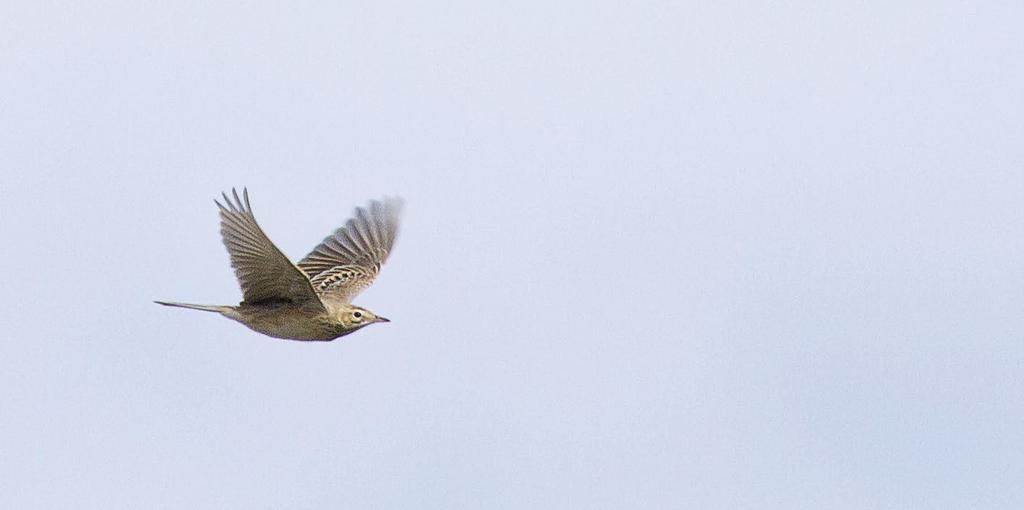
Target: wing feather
pixel 348 260
pixel 264 273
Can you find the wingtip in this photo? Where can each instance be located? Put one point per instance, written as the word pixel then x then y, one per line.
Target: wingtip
pixel 235 203
pixel 395 203
pixel 387 202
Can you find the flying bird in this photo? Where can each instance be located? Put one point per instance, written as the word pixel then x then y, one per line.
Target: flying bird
pixel 311 300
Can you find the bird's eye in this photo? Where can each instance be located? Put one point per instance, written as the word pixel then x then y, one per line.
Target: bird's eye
pixel 358 315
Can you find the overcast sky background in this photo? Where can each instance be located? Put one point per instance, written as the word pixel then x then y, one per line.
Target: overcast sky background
pixel 656 255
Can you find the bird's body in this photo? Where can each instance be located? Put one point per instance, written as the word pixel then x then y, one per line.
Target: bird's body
pixel 311 300
pixel 288 321
pixel 281 319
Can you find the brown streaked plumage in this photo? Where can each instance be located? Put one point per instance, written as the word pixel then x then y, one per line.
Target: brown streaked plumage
pixel 311 300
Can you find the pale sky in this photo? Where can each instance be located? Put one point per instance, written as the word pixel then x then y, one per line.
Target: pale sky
pixel 659 255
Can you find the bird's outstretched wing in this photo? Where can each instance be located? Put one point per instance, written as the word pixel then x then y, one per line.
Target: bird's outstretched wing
pixel 347 261
pixel 263 272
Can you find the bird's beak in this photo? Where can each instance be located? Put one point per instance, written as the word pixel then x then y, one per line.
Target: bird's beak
pixel 383 319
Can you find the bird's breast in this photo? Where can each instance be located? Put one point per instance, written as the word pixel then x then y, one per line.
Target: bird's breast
pixel 289 322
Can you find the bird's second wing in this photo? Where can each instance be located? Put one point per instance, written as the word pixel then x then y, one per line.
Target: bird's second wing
pixel 347 261
pixel 263 272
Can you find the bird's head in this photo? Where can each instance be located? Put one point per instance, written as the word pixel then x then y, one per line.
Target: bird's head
pixel 354 317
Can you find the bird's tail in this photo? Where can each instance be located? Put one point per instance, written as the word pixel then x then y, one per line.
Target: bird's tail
pixel 205 308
